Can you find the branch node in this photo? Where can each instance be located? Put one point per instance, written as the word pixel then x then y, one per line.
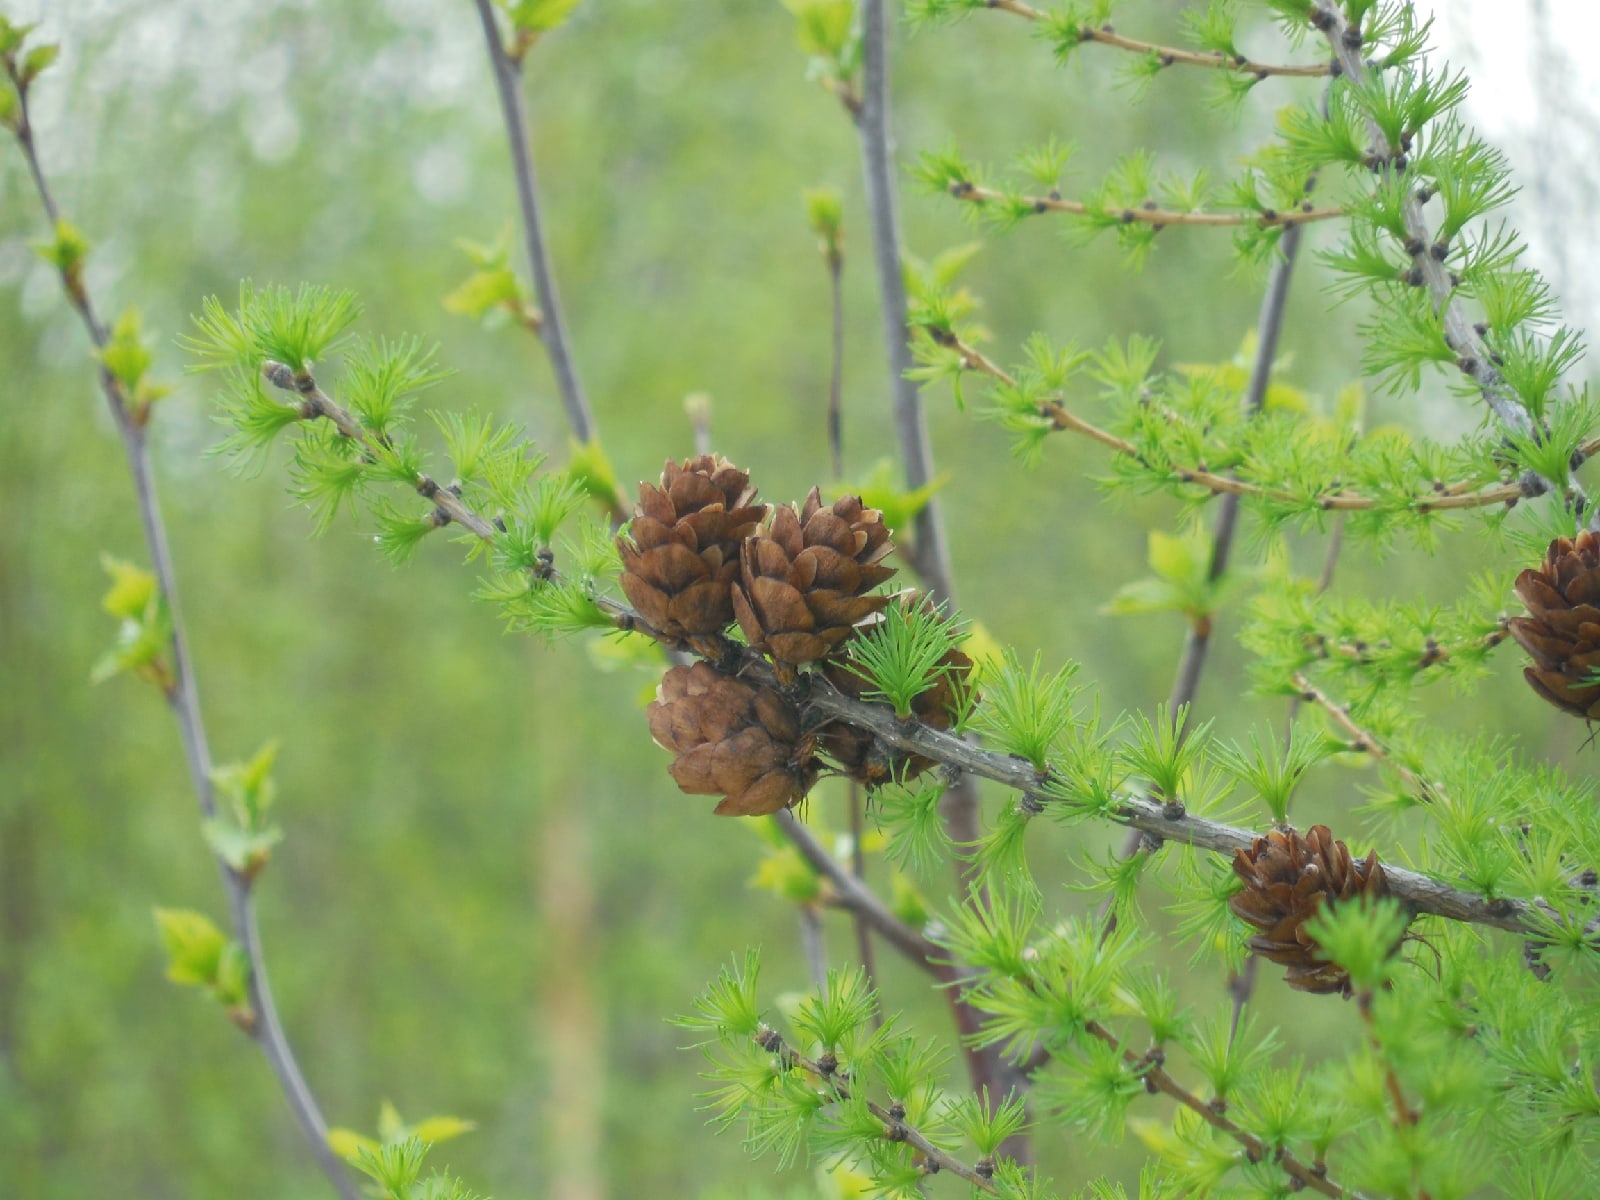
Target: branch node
pixel 278 375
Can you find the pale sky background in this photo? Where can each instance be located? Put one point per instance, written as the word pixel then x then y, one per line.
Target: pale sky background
pixel 1536 95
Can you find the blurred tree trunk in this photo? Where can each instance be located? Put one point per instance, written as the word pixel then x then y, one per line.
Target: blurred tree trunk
pixel 566 1009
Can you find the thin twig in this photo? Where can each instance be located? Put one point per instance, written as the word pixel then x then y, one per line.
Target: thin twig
pixel 815 951
pixel 855 895
pixel 1434 653
pixel 1197 640
pixel 854 798
pixel 1404 1115
pixel 895 1127
pixel 960 804
pixel 877 153
pixel 855 801
pixel 1269 330
pixel 1171 56
pixel 836 369
pixel 1364 740
pixel 1149 214
pixel 552 329
pixel 1156 1077
pixel 1444 497
pixel 183 697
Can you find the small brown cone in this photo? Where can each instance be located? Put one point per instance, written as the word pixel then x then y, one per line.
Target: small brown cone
pixel 1288 877
pixel 681 552
pixel 802 582
pixel 1562 629
pixel 733 739
pixel 860 754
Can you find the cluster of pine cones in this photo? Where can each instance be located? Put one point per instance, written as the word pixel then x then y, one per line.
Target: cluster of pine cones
pixel 702 554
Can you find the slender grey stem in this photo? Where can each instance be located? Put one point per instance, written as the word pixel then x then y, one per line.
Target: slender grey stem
pixel 815 952
pixel 858 868
pixel 184 699
pixel 836 372
pixel 553 330
pixel 1197 642
pixel 877 156
pixel 1269 330
pixel 960 805
pixel 856 895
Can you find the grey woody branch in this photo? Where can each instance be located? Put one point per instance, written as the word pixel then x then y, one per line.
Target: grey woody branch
pixel 931 550
pixel 183 697
pixel 1422 893
pixel 1474 358
pixel 552 326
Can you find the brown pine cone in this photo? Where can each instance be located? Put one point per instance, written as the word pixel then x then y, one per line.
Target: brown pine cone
pixel 681 553
pixel 859 753
pixel 1562 629
pixel 802 582
pixel 1288 878
pixel 733 739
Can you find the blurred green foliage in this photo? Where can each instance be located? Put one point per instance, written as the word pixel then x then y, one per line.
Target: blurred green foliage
pixel 489 895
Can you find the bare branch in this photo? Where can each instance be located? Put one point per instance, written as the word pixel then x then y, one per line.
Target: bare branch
pixel 183 697
pixel 1149 214
pixel 552 328
pixel 855 895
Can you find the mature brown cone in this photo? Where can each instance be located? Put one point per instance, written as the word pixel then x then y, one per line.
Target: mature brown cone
pixel 1562 628
pixel 1288 877
pixel 681 553
pixel 733 739
pixel 860 754
pixel 801 582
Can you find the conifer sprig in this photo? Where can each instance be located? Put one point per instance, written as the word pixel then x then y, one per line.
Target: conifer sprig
pixel 796 1102
pixel 1419 151
pixel 1087 23
pixel 1063 990
pixel 1006 208
pixel 1386 482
